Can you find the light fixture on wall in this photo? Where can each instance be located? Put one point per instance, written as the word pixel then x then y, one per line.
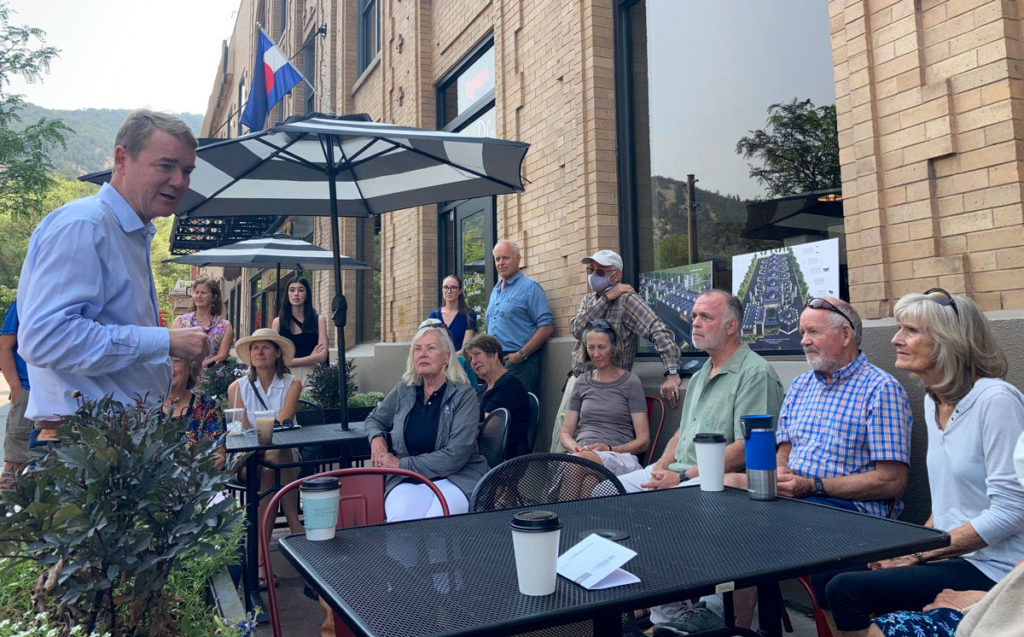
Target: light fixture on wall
pixel 830 197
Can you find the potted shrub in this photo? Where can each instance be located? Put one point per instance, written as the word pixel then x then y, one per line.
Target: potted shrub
pixel 323 390
pixel 115 509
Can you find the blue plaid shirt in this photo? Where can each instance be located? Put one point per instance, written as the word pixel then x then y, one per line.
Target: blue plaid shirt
pixel 843 427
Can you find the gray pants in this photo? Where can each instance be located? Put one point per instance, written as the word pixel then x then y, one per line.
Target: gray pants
pixel 528 372
pixel 18 429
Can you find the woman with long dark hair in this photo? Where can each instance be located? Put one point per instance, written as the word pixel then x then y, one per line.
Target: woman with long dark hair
pixel 298 322
pixel 456 314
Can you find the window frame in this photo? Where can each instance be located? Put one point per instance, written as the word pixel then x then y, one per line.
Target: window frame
pixel 367 34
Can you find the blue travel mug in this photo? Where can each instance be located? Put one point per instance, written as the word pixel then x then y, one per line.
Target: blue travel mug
pixel 759 451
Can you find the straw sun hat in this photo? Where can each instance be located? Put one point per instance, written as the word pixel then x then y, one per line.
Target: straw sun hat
pixel 265 334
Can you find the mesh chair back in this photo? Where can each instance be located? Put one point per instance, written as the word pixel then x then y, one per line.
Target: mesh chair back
pixel 309 414
pixel 493 437
pixel 542 478
pixel 361 503
pixel 531 433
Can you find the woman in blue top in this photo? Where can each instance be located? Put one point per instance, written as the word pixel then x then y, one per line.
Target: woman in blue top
pixel 456 314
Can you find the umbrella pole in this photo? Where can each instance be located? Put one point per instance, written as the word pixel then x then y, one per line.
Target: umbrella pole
pixel 339 306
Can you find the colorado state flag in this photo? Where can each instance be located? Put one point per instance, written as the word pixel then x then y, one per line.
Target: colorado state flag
pixel 278 76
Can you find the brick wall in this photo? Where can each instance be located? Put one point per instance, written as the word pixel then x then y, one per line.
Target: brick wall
pixel 928 105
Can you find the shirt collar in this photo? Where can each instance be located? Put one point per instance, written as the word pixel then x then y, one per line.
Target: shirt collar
pixel 125 215
pixel 515 277
pixel 847 371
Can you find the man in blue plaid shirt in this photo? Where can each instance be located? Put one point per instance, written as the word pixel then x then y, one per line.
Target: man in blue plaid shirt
pixel 844 428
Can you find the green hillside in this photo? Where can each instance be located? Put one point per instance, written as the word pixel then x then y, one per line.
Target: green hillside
pixel 91 146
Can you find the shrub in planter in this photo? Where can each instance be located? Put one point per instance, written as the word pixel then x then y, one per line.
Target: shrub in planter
pixel 115 508
pixel 323 384
pixel 217 379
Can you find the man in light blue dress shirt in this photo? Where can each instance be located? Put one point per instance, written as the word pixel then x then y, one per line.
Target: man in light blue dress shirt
pixel 86 297
pixel 518 316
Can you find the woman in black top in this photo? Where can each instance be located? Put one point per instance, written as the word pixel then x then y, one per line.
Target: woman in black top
pixel 501 390
pixel 299 323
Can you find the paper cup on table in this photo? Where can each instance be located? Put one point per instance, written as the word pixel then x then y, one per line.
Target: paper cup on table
pixel 265 426
pixel 320 507
pixel 535 536
pixel 233 419
pixel 710 461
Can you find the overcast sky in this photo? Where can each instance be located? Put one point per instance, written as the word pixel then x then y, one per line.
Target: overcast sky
pixel 128 53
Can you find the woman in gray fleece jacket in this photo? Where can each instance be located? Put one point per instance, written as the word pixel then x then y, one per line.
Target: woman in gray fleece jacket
pixel 432 417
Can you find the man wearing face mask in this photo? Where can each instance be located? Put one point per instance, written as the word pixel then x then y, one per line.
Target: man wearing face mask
pixel 630 317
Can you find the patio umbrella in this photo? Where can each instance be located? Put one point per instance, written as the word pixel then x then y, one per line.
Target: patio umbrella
pixel 278 250
pixel 346 166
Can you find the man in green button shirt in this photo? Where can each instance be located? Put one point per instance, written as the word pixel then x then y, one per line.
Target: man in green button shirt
pixel 733 382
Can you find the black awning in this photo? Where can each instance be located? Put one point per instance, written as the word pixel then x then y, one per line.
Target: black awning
pixel 809 213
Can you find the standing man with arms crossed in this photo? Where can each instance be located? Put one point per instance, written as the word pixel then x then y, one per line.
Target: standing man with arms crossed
pixel 86 297
pixel 518 316
pixel 621 307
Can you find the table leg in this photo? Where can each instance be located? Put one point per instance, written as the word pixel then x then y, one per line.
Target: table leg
pixel 250 583
pixel 607 624
pixel 769 617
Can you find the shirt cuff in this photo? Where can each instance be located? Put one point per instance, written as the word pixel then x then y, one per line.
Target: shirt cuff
pixel 154 344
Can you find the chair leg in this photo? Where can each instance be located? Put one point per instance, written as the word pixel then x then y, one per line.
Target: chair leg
pixel 819 616
pixel 787 623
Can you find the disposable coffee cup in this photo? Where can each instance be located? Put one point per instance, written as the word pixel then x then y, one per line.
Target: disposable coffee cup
pixel 535 536
pixel 710 461
pixel 233 419
pixel 320 507
pixel 265 426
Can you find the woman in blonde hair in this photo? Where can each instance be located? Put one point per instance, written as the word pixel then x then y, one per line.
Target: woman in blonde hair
pixel 207 308
pixel 432 418
pixel 973 418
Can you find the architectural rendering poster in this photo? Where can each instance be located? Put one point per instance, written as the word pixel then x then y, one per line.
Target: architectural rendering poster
pixel 774 285
pixel 671 293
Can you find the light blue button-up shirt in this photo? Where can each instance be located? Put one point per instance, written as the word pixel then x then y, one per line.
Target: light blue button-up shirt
pixel 88 309
pixel 515 313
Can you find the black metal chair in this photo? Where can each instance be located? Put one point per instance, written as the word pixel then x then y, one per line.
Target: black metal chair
pixel 493 436
pixel 531 433
pixel 309 413
pixel 542 478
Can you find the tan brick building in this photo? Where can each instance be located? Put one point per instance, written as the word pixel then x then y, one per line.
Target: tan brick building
pixel 930 130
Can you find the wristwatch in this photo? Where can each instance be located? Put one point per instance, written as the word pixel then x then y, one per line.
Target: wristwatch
pixel 683 477
pixel 523 355
pixel 671 370
pixel 819 488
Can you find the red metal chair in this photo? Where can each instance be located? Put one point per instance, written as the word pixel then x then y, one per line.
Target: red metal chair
pixel 655 412
pixel 361 503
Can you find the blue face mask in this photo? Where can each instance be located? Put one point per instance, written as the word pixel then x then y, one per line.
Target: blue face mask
pixel 598 283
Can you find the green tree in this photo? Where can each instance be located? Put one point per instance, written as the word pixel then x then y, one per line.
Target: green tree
pixel 798 149
pixel 165 275
pixel 24 151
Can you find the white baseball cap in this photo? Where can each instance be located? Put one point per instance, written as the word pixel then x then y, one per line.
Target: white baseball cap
pixel 606 258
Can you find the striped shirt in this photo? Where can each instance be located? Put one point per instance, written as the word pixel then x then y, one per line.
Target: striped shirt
pixel 844 426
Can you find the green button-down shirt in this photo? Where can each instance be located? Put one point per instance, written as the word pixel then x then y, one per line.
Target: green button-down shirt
pixel 746 385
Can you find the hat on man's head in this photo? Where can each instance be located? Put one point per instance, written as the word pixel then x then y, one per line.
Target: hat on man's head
pixel 607 258
pixel 265 334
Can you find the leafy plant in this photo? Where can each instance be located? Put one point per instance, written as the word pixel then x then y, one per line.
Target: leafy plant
pixel 115 508
pixel 369 399
pixel 218 378
pixel 323 384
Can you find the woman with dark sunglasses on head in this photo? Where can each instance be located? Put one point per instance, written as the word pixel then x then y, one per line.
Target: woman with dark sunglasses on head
pixel 607 417
pixel 973 420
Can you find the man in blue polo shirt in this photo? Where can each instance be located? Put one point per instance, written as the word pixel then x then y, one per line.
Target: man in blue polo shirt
pixel 518 316
pixel 16 374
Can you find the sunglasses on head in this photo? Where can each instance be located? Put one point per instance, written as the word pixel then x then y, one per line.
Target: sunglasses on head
pixel 821 304
pixel 598 325
pixel 943 298
pixel 431 322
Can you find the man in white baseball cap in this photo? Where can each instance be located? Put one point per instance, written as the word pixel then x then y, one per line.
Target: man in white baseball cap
pixel 629 316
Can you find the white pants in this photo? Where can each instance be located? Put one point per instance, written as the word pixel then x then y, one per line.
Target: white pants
pixel 410 501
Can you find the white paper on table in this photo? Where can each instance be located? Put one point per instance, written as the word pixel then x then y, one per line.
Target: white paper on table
pixel 594 563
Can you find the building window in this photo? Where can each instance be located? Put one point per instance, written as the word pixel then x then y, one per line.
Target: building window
pixel 241 105
pixel 282 15
pixel 309 71
pixel 257 303
pixel 692 80
pixel 465 103
pixel 369 33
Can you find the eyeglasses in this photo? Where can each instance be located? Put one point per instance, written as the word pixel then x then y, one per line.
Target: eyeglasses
pixel 601 271
pixel 943 298
pixel 598 325
pixel 450 288
pixel 822 304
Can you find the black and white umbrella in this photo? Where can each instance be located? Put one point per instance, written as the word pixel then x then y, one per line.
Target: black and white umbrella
pixel 346 166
